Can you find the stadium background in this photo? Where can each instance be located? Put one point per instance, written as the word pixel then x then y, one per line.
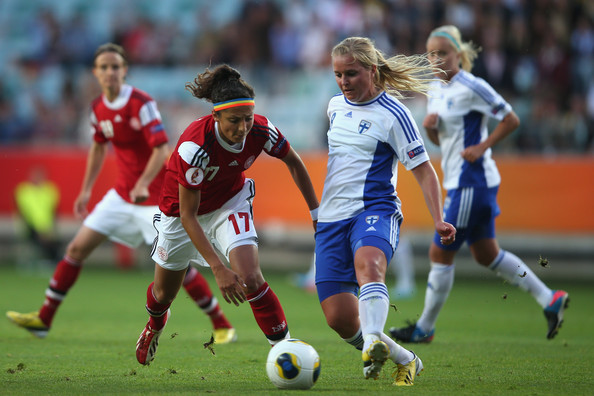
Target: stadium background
pixel 537 54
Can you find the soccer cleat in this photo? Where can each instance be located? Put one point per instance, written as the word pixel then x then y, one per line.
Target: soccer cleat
pixel 411 333
pixel 30 322
pixel 554 312
pixel 374 358
pixel 224 335
pixel 405 374
pixel 146 346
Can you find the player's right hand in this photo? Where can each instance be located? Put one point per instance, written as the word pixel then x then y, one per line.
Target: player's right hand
pixel 80 206
pixel 231 286
pixel 447 232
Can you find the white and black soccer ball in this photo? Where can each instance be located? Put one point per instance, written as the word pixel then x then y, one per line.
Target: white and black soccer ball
pixel 293 364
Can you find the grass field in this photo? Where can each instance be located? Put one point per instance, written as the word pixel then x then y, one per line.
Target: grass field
pixel 485 344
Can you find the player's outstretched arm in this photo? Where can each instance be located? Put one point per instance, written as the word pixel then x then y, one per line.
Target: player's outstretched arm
pixel 230 284
pixel 95 159
pixel 301 178
pixel 429 183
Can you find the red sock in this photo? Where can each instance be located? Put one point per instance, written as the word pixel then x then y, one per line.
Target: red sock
pixel 64 277
pixel 268 313
pixel 199 290
pixel 156 310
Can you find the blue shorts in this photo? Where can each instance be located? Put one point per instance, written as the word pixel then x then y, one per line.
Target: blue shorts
pixel 337 242
pixel 472 210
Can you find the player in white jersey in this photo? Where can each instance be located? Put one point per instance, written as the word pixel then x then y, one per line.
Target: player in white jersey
pixel 359 216
pixel 459 107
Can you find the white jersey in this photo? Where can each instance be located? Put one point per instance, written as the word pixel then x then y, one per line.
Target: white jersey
pixel 365 142
pixel 464 106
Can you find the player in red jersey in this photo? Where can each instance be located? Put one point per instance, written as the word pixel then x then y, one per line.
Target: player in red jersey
pixel 130 120
pixel 206 207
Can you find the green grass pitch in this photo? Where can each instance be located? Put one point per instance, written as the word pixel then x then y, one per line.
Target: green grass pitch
pixel 490 340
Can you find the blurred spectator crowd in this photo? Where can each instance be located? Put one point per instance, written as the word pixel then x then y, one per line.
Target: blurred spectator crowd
pixel 539 54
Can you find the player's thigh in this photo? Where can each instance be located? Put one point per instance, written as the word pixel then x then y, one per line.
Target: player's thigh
pixel 437 254
pixel 484 251
pixel 167 283
pixel 342 313
pixel 244 261
pixel 84 242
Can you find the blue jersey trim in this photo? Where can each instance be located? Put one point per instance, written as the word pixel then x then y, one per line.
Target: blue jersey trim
pixel 473 174
pixel 377 188
pixel 400 114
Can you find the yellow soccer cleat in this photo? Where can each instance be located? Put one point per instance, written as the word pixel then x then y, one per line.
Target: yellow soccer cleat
pixel 224 336
pixel 405 374
pixel 29 321
pixel 374 358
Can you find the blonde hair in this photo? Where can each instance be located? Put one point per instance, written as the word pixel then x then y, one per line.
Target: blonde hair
pixel 398 73
pixel 467 50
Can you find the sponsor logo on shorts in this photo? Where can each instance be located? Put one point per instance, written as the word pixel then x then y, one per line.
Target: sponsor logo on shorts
pixel 162 253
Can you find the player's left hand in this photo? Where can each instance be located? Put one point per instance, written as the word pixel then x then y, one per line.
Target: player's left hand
pixel 473 153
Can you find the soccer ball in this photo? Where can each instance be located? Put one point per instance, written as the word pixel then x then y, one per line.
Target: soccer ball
pixel 293 364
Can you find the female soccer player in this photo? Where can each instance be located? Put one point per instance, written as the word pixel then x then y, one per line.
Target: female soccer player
pixel 206 206
pixel 458 108
pixel 129 119
pixel 359 216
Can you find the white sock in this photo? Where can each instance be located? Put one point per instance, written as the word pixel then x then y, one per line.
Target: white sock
pixel 398 354
pixel 374 303
pixel 439 284
pixel 511 268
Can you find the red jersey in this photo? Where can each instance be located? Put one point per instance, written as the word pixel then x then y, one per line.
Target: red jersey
pixel 133 124
pixel 203 161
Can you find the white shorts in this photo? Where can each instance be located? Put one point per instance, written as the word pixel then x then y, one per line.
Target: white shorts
pixel 226 228
pixel 122 221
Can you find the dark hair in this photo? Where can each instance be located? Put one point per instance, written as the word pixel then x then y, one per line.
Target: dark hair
pixel 219 85
pixel 111 47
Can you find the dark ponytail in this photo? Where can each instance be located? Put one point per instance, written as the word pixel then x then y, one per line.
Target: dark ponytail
pixel 219 85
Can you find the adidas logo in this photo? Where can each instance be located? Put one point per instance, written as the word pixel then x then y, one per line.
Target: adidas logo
pixel 233 163
pixel 372 228
pixel 349 114
pixel 117 118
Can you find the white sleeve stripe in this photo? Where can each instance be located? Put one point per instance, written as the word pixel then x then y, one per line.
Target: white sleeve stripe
pixel 479 88
pixel 193 154
pixel 148 113
pixel 403 120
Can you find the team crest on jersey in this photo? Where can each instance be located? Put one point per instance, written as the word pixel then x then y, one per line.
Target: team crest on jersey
pixel 364 126
pixel 135 124
pixel 371 219
pixel 249 162
pixel 450 103
pixel 194 176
